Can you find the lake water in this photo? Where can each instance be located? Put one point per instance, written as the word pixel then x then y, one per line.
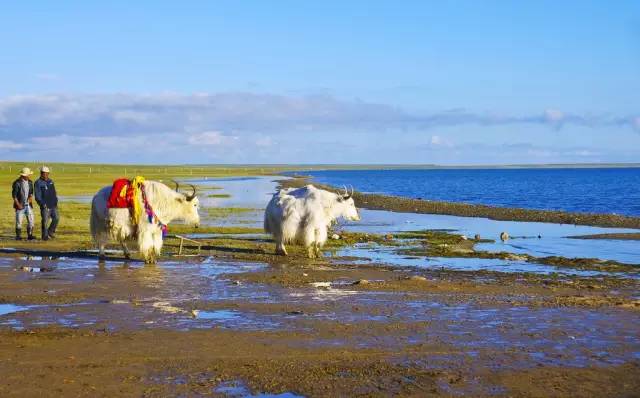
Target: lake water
pixel 255 192
pixel 592 190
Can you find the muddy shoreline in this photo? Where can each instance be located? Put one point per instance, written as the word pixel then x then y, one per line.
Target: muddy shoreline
pixel 315 329
pixel 627 236
pixel 400 204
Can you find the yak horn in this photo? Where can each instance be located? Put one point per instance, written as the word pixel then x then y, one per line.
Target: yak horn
pixel 352 190
pixel 177 185
pixel 193 195
pixel 346 193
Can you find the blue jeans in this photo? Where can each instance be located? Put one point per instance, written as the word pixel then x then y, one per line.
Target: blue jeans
pixel 47 214
pixel 26 211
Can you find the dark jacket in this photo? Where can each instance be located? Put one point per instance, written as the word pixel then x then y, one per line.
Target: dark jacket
pixel 16 192
pixel 46 193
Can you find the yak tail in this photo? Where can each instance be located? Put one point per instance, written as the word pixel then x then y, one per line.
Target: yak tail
pixel 92 222
pixel 267 223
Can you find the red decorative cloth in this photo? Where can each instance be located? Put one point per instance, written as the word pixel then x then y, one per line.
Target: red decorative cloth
pixel 121 195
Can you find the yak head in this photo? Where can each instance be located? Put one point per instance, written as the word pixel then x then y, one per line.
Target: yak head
pixel 188 205
pixel 346 207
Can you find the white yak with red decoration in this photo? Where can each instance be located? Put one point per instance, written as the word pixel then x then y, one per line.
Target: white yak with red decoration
pixel 163 206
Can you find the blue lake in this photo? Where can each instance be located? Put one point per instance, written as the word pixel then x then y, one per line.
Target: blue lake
pixel 588 190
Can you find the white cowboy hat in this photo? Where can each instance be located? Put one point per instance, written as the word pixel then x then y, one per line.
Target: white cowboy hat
pixel 44 169
pixel 25 172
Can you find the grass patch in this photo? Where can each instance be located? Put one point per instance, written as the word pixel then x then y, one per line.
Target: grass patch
pixel 182 229
pixel 219 195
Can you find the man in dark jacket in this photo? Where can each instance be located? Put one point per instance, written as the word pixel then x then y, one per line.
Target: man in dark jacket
pixel 22 194
pixel 47 199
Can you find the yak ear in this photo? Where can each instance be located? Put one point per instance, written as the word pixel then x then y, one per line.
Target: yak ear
pixel 181 200
pixel 340 198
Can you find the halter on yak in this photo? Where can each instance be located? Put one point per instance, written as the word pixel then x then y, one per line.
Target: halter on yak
pixel 127 194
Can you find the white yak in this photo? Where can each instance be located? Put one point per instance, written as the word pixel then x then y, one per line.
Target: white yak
pixel 167 204
pixel 302 215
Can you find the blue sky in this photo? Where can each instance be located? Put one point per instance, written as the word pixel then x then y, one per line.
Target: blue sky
pixel 477 82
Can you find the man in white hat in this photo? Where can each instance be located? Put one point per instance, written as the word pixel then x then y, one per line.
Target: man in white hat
pixel 47 199
pixel 22 193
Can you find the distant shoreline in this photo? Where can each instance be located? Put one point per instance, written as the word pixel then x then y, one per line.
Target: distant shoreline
pixel 338 167
pixel 294 167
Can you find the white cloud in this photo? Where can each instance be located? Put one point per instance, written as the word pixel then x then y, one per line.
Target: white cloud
pixel 245 127
pixel 242 113
pixel 134 116
pixel 8 145
pixel 438 141
pixel 211 138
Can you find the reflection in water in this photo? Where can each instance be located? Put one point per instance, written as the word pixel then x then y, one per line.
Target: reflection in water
pixel 148 275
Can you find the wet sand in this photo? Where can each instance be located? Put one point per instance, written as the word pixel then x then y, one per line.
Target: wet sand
pixel 239 321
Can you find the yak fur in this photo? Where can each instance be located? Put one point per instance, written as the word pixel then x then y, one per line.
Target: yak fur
pixel 303 215
pixel 116 224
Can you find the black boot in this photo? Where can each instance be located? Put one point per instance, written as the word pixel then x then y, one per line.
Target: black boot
pixel 18 234
pixel 30 234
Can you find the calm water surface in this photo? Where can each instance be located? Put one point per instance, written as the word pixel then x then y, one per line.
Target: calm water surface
pixel 602 190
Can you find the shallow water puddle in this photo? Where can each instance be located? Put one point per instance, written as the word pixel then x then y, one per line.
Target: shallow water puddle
pixel 11 308
pixel 232 319
pixel 39 264
pixel 219 315
pixel 367 254
pixel 619 250
pixel 324 292
pixel 237 389
pixel 554 237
